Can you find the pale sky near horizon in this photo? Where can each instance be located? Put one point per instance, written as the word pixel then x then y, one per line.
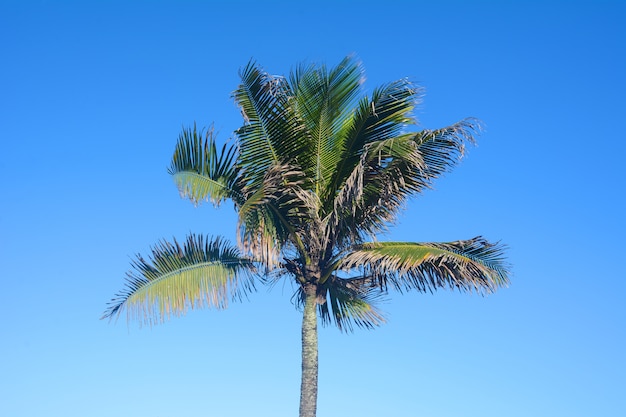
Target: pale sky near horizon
pixel 92 98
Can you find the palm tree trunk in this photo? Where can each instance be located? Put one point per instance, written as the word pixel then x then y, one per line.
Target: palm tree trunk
pixel 308 389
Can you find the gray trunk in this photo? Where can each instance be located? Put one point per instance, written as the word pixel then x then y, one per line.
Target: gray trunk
pixel 308 389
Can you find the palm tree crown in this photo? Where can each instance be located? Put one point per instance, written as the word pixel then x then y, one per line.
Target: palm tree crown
pixel 317 171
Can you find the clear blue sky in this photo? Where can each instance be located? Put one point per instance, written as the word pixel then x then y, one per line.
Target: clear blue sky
pixel 92 98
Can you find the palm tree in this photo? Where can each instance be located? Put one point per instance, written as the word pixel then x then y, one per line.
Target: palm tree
pixel 316 173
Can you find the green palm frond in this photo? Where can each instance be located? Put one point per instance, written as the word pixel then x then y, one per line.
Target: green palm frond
pixel 468 265
pixel 200 273
pixel 387 174
pixel 271 134
pixel 347 303
pixel 442 149
pixel 390 171
pixel 276 213
pixel 385 116
pixel 200 171
pixel 407 165
pixel 322 100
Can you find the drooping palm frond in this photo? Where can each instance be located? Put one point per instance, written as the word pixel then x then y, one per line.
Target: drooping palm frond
pixel 372 142
pixel 347 303
pixel 390 171
pixel 200 171
pixel 200 273
pixel 441 149
pixel 373 194
pixel 385 116
pixel 468 265
pixel 278 212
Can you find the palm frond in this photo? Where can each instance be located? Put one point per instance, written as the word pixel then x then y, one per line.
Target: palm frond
pixel 376 189
pixel 322 100
pixel 390 171
pixel 271 134
pixel 347 303
pixel 385 116
pixel 276 213
pixel 200 171
pixel 443 148
pixel 200 273
pixel 467 265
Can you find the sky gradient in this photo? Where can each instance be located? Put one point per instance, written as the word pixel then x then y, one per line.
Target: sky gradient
pixel 93 96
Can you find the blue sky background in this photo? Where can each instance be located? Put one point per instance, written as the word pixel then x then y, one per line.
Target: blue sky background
pixel 92 98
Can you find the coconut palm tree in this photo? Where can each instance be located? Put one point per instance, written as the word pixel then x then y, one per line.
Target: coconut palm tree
pixel 318 170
